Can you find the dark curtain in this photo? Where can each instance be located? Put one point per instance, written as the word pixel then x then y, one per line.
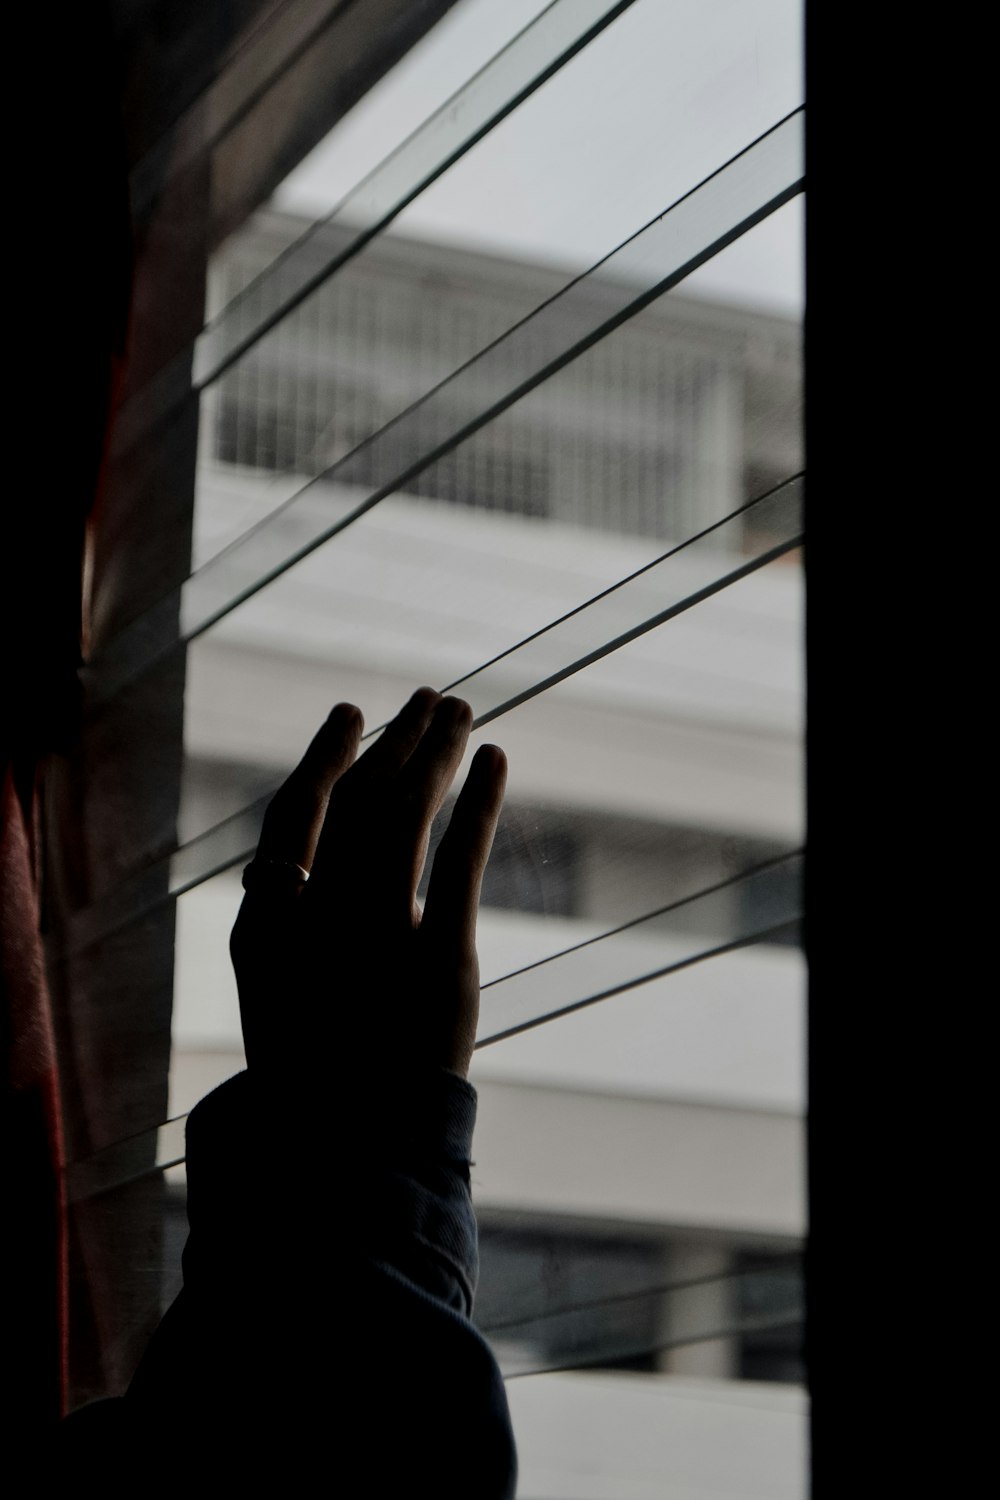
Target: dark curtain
pixel 68 310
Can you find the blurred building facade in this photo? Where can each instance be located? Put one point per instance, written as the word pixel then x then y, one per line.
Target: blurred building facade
pixel 639 1175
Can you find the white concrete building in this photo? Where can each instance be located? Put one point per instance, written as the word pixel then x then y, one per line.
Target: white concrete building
pixel 639 1162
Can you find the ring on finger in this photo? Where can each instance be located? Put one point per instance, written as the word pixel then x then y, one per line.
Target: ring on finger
pixel 273 874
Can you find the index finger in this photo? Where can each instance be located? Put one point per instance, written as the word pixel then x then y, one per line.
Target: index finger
pixel 295 814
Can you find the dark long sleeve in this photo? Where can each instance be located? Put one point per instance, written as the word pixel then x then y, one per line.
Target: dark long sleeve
pixel 323 1328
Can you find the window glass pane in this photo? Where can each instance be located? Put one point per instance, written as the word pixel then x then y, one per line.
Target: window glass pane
pixel 331 391
pixel 604 1434
pixel 206 1033
pixel 466 39
pixel 658 101
pixel 639 1162
pixel 397 139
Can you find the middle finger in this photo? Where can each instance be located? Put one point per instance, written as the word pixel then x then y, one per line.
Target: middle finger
pixel 354 831
pixel 426 777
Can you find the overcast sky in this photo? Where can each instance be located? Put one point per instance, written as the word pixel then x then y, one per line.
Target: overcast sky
pixel 665 95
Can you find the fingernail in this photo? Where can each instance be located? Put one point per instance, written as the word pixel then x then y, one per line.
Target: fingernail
pixel 344 711
pixel 425 696
pixel 491 759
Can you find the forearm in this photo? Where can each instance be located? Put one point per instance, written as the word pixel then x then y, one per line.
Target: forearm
pixel 338 1315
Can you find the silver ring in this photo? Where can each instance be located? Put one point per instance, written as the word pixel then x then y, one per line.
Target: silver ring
pixel 274 873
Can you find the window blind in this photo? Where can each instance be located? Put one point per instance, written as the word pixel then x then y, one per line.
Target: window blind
pixel 308 517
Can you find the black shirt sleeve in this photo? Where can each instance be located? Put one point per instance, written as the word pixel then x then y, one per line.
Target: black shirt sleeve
pixel 323 1330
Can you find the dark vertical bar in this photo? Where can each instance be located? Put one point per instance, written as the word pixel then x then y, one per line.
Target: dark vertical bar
pixel 65 314
pixel 885 1003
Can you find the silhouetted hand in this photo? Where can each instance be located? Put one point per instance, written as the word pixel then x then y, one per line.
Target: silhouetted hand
pixel 344 967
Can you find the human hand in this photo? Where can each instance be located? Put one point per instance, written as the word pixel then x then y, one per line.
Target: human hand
pixel 345 963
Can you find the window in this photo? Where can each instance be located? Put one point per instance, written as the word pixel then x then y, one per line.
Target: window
pixel 502 427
